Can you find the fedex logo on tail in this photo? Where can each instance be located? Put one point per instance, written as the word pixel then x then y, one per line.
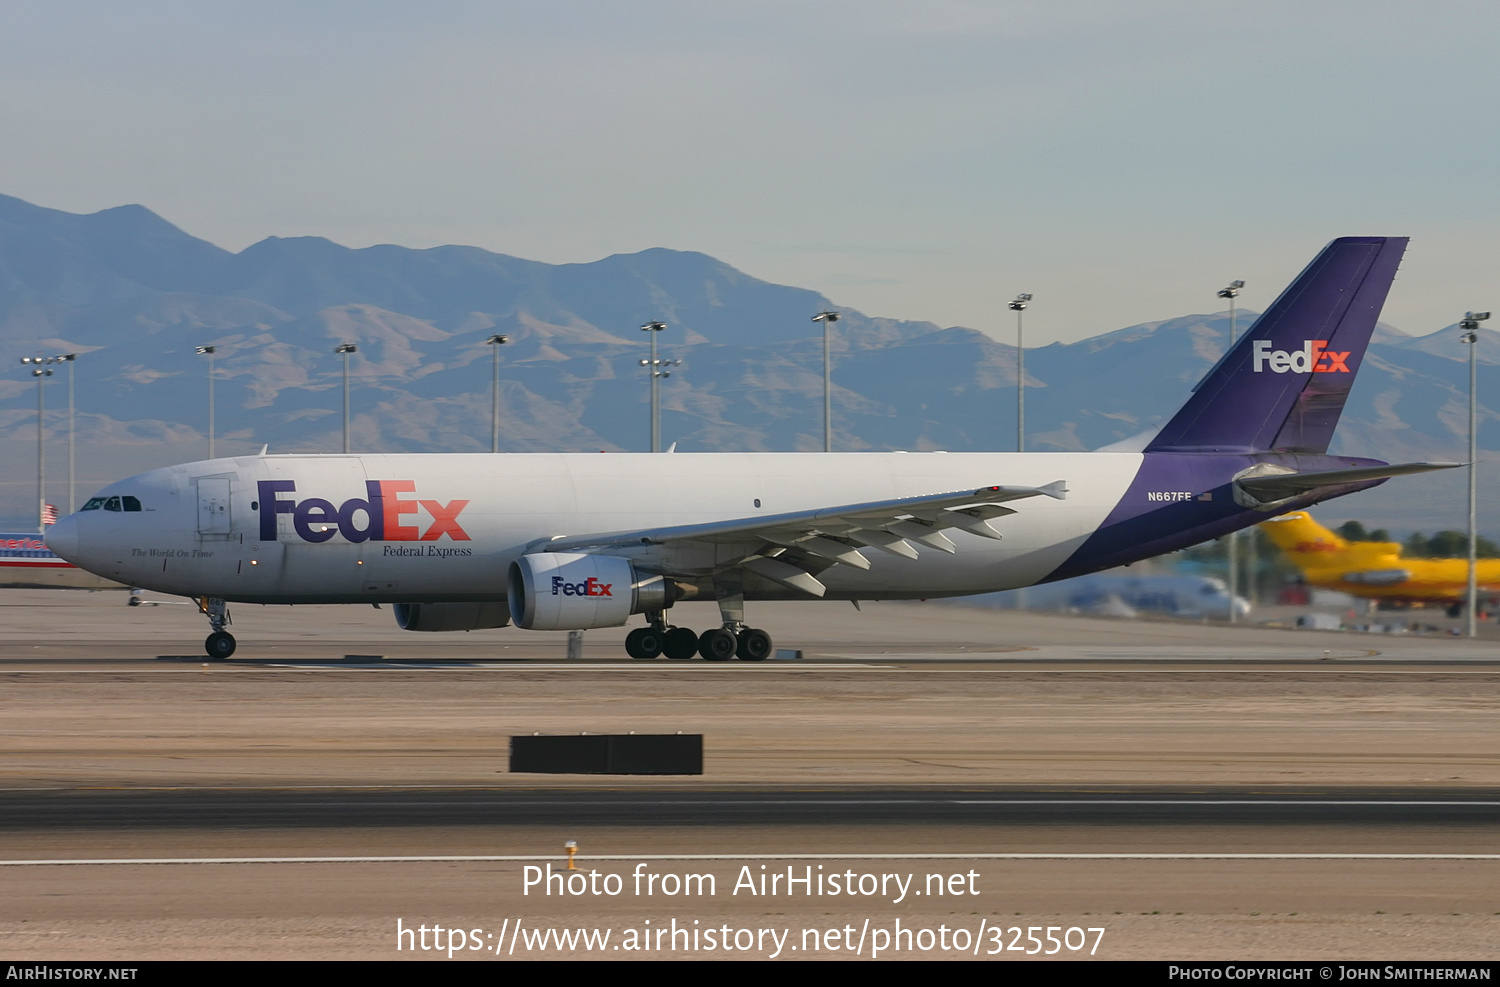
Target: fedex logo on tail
pixel 1314 357
pixel 378 516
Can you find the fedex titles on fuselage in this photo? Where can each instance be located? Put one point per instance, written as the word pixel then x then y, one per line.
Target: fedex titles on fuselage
pixel 1314 357
pixel 317 520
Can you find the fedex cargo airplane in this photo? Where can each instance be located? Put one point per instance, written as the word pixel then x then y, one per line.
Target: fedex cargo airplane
pixel 572 541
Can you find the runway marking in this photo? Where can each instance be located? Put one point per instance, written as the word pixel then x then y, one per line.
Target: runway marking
pixel 1061 803
pixel 521 858
pixel 1199 802
pixel 1038 666
pixel 686 800
pixel 520 795
pixel 417 665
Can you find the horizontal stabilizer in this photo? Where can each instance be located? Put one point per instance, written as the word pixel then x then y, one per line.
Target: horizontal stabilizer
pixel 1280 486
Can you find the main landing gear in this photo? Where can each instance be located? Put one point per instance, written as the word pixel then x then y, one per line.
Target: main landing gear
pixel 733 640
pixel 220 644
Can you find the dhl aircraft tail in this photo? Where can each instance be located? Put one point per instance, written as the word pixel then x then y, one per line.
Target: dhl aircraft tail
pixel 1309 545
pixel 1297 535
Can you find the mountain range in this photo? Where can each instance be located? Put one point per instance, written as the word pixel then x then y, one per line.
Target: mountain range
pixel 134 296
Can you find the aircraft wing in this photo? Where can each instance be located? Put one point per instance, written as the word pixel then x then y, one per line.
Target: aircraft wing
pixel 790 548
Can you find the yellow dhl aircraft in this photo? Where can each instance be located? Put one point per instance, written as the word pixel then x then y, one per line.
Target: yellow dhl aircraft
pixel 1375 570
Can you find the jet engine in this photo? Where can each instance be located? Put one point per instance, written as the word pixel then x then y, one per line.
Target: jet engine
pixel 450 616
pixel 556 591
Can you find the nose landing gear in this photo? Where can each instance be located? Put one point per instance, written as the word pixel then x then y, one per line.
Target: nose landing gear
pixel 220 644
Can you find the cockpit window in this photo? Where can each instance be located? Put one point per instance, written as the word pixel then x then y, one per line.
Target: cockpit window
pixel 123 503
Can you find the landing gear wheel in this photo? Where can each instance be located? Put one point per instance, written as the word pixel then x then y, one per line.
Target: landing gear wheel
pixel 754 645
pixel 644 643
pixel 717 644
pixel 682 643
pixel 220 645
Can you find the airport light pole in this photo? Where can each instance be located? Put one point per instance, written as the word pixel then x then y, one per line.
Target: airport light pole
pixel 1019 307
pixel 827 318
pixel 1232 549
pixel 657 370
pixel 208 351
pixel 1232 292
pixel 498 340
pixel 70 359
pixel 40 370
pixel 1470 327
pixel 652 328
pixel 345 349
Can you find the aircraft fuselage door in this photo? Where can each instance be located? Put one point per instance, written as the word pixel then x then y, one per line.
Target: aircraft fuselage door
pixel 213 506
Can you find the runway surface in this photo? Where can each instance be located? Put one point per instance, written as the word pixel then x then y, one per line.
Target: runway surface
pixel 75 809
pixel 1198 791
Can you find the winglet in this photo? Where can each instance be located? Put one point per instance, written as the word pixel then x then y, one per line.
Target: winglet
pixel 1057 489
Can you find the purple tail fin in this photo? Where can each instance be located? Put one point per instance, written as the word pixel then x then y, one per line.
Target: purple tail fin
pixel 1282 386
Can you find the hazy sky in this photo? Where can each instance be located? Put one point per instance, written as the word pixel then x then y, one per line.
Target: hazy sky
pixel 924 160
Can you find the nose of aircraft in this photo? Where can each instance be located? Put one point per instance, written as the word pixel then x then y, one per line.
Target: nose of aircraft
pixel 62 538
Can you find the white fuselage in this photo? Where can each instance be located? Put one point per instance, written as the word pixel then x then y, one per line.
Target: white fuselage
pixel 451 524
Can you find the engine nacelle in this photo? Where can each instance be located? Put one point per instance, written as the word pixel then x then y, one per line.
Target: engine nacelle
pixel 450 616
pixel 565 591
